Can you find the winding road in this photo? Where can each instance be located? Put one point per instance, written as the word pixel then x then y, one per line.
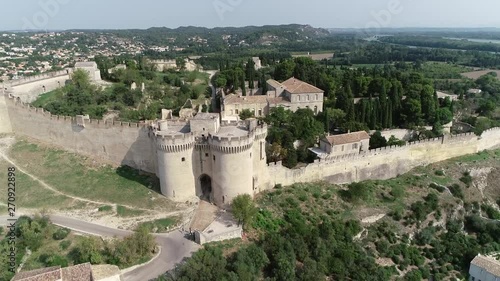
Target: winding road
pixel 174 246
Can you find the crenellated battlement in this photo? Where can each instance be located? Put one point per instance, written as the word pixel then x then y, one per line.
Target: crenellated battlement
pixel 175 143
pixel 92 123
pixel 36 78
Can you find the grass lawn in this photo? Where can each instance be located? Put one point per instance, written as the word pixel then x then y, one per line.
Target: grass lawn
pixel 161 225
pixel 122 211
pixel 76 175
pixel 48 97
pixel 441 70
pixel 31 194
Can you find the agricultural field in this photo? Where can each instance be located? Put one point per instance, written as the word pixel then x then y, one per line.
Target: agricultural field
pixel 476 74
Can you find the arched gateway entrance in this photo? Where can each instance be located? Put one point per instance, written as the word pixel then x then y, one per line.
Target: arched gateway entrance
pixel 206 188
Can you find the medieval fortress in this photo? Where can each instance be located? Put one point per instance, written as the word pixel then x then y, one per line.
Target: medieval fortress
pixel 204 156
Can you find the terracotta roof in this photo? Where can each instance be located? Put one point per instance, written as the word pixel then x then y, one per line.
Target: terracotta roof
pixel 234 99
pixel 348 138
pixel 295 86
pixel 487 263
pixel 81 272
pixel 44 274
pixel 273 83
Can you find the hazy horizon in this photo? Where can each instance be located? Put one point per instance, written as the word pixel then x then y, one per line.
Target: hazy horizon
pixel 114 14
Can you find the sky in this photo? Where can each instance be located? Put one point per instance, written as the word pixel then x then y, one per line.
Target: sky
pixel 127 14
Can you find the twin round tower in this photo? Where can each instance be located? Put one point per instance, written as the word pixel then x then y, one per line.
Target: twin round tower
pixel 211 160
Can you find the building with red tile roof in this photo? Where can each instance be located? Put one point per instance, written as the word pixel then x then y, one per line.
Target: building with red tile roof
pixel 291 94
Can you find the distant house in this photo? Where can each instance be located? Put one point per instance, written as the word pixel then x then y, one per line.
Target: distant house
pixel 442 95
pixel 351 143
pixel 474 91
pixel 81 272
pixel 484 268
pixel 91 68
pixel 292 94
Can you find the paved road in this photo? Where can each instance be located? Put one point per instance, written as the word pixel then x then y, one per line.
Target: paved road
pixel 174 247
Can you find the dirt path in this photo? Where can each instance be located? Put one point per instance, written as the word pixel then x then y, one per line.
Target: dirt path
pixel 7 141
pixel 45 185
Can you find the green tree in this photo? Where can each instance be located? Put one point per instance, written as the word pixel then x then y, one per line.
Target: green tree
pixel 246 114
pixel 377 140
pixel 244 209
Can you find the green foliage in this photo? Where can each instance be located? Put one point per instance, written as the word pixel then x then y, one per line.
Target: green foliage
pixel 133 249
pixel 437 187
pixel 160 225
pixel 466 178
pixel 439 173
pixel 61 233
pixel 377 140
pixel 359 192
pixel 53 260
pixel 65 244
pixel 393 141
pixel 491 212
pixel 456 190
pixel 105 208
pixel 244 209
pixel 246 114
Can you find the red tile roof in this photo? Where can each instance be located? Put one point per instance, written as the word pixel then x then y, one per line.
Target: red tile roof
pixel 295 86
pixel 234 99
pixel 44 274
pixel 348 138
pixel 81 272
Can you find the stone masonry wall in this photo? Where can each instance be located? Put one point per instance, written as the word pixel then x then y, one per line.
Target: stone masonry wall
pixel 118 143
pixel 387 162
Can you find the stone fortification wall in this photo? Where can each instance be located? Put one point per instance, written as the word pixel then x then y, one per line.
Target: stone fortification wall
pixel 5 125
pixel 120 143
pixel 385 163
pixel 30 88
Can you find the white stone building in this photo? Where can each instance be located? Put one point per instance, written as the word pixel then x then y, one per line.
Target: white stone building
pixel 292 94
pixel 484 268
pixel 91 68
pixel 344 144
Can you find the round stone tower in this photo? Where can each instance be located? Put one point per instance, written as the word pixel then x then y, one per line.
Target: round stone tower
pixel 232 167
pixel 175 164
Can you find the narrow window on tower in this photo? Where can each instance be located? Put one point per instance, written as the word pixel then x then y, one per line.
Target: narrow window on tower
pixel 183 159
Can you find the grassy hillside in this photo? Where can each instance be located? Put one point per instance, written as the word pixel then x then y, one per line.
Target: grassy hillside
pixel 429 222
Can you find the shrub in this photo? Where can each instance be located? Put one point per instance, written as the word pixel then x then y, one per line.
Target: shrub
pixel 65 244
pixel 61 233
pixel 302 197
pixel 491 212
pixel 466 178
pixel 439 173
pixel 437 187
pixel 106 208
pixel 456 191
pixel 278 186
pixel 53 260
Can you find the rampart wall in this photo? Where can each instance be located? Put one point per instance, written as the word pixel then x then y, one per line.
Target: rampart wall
pixel 30 88
pixel 5 126
pixel 385 163
pixel 115 142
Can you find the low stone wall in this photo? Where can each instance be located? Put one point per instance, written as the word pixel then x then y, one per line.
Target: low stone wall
pixel 201 238
pixel 386 162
